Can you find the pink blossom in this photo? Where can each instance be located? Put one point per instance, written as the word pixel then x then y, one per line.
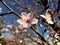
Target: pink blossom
pixel 27 20
pixel 48 17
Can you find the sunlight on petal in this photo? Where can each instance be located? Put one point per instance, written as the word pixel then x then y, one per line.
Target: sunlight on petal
pixel 16 31
pixel 0 44
pixel 0 9
pixel 20 21
pixel 58 43
pixel 20 27
pixel 34 21
pixel 42 16
pixel 29 14
pixel 26 25
pixel 9 26
pixel 20 41
pixel 5 29
pixel 25 30
pixel 23 13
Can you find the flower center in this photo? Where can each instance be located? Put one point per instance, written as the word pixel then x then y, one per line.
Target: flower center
pixel 28 21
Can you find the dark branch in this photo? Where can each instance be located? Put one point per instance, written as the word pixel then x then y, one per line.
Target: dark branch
pixel 6 13
pixel 41 37
pixel 0 0
pixel 11 9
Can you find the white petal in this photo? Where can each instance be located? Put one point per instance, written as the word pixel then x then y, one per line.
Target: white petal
pixel 34 21
pixel 42 16
pixel 0 44
pixel 23 13
pixel 9 26
pixel 0 9
pixel 58 43
pixel 26 25
pixel 25 30
pixel 20 26
pixel 20 41
pixel 20 21
pixel 29 14
pixel 23 17
pixel 56 35
pixel 6 29
pixel 16 31
pixel 48 16
pixel 47 10
pixel 50 22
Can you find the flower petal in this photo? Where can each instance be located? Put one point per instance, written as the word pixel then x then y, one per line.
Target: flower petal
pixel 34 21
pixel 20 21
pixel 26 25
pixel 50 22
pixel 20 27
pixel 58 43
pixel 23 13
pixel 42 16
pixel 25 16
pixel 29 14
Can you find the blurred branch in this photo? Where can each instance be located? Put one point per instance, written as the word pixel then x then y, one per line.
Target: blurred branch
pixel 10 12
pixel 27 8
pixel 43 2
pixel 0 0
pixel 23 6
pixel 11 9
pixel 39 1
pixel 33 40
pixel 41 37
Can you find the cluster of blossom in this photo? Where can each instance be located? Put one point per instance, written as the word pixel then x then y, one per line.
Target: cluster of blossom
pixel 27 19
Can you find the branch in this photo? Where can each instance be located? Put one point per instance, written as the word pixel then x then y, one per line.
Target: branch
pixel 18 15
pixel 0 0
pixel 23 6
pixel 41 37
pixel 39 1
pixel 6 13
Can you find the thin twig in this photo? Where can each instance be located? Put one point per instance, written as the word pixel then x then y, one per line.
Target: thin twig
pixel 6 13
pixel 23 6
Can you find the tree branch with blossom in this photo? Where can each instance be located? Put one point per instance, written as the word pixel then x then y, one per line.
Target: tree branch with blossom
pixel 20 17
